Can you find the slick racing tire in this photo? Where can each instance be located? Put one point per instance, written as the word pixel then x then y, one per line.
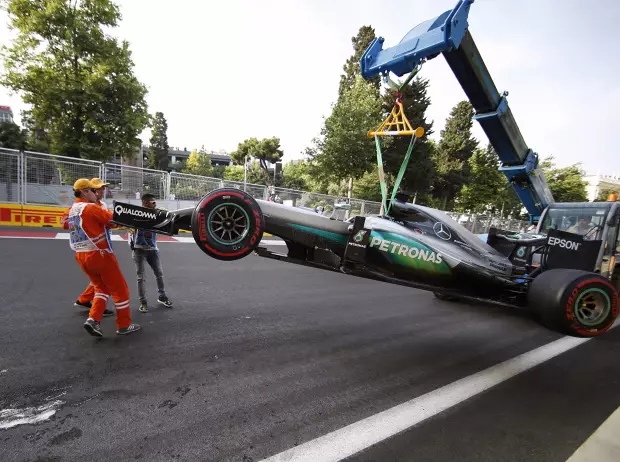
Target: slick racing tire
pixel 227 224
pixel 574 302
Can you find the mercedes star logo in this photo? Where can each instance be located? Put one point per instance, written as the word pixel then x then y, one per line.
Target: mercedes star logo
pixel 442 231
pixel 359 236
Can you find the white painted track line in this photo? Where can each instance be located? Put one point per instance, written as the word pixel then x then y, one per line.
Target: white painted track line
pixel 365 433
pixel 603 444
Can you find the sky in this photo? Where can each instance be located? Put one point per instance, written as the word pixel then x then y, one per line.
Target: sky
pixel 223 72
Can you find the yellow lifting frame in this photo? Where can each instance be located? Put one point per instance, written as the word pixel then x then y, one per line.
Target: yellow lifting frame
pixel 397 118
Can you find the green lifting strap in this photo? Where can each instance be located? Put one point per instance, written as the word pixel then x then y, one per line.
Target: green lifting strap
pixel 398 87
pixel 399 178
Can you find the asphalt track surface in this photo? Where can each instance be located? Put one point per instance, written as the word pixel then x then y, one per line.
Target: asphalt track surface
pixel 259 356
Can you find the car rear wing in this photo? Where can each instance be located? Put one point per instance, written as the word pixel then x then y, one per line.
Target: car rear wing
pixel 560 249
pixel 571 251
pixel 155 220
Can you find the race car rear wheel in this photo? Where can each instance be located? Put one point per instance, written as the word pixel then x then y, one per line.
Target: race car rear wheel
pixel 227 224
pixel 574 302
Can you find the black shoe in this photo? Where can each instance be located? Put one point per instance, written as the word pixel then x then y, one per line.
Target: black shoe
pixel 164 301
pixel 128 330
pixel 93 328
pixel 107 313
pixel 87 305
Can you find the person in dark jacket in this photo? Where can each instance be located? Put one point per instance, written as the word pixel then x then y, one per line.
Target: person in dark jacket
pixel 144 248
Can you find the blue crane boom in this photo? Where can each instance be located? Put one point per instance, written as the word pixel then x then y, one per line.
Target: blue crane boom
pixel 449 35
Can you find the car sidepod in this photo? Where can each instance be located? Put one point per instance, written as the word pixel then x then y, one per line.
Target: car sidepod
pixel 436 254
pixel 407 252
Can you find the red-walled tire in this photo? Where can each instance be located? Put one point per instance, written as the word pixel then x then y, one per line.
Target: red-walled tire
pixel 227 224
pixel 574 302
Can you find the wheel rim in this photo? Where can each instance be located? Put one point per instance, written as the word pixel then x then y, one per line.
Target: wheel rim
pixel 592 306
pixel 228 223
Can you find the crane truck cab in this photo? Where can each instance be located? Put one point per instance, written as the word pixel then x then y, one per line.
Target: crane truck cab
pixel 570 235
pixel 596 224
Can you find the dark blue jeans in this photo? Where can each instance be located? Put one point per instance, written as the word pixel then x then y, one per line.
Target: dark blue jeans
pixel 140 256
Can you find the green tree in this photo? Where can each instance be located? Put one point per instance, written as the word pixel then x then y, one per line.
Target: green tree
pixel 37 138
pixel 567 184
pixel 299 175
pixel 295 175
pixel 317 179
pixel 361 41
pixel 78 80
pixel 265 150
pixel 158 149
pixel 452 155
pixel 345 152
pixel 420 169
pixel 218 171
pixel 198 163
pixel 488 190
pixel 12 136
pixel 367 187
pixel 236 173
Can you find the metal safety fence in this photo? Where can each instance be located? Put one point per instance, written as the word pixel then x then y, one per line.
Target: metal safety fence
pixel 257 191
pixel 35 178
pixel 10 176
pixel 186 187
pixel 481 224
pixel 47 177
pixel 42 179
pixel 129 182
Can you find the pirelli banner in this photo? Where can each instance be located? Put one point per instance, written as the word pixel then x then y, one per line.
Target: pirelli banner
pixel 30 215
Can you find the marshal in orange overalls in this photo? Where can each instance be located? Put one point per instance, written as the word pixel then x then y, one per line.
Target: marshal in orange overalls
pixel 87 296
pixel 89 239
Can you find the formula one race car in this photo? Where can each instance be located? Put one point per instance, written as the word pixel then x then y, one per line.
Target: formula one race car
pixel 566 279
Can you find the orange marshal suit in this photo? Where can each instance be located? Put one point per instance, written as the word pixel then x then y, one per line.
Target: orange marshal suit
pixel 89 238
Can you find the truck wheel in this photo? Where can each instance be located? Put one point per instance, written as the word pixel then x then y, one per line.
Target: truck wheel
pixel 227 224
pixel 574 302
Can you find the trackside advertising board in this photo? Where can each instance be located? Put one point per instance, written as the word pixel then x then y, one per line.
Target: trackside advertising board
pixel 30 215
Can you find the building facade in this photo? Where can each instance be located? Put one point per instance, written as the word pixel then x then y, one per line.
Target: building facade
pixel 601 183
pixel 6 114
pixel 177 158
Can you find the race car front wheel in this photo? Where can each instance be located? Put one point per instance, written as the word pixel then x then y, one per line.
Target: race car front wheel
pixel 574 302
pixel 227 224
